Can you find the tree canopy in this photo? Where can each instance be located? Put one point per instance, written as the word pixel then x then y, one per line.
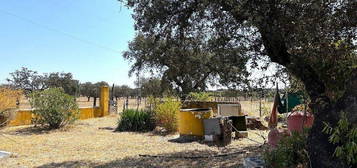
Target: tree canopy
pixel 63 80
pixel 187 64
pixel 123 91
pixel 29 81
pixel 88 89
pixel 151 86
pixel 313 41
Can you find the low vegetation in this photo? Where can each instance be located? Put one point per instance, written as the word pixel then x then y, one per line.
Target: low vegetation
pixel 290 152
pixel 166 114
pixel 136 120
pixel 162 113
pixel 53 108
pixel 344 136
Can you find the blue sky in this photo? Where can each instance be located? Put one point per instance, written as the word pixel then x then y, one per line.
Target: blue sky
pixel 84 37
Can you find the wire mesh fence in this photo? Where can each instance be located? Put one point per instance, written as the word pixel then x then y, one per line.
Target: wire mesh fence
pixel 252 106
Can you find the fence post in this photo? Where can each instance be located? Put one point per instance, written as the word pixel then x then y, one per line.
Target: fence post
pixel 104 100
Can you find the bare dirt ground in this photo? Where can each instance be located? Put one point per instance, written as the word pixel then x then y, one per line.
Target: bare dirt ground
pixel 92 143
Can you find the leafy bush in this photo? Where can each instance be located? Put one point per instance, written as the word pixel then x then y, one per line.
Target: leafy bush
pixel 290 152
pixel 200 96
pixel 152 102
pixel 166 114
pixel 8 98
pixel 53 108
pixel 344 135
pixel 134 120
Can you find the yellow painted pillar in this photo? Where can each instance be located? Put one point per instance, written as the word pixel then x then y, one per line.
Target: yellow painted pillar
pixel 104 100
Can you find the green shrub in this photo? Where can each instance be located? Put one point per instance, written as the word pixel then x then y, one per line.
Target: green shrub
pixel 344 135
pixel 166 114
pixel 133 120
pixel 53 108
pixel 290 152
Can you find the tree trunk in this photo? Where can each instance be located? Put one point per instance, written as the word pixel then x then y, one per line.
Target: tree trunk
pixel 325 110
pixel 95 102
pixel 320 149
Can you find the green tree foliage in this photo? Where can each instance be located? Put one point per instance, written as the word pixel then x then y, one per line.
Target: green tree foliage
pixel 187 64
pixel 53 108
pixel 88 89
pixel 314 41
pixel 122 91
pixel 97 87
pixel 29 81
pixel 151 87
pixel 101 83
pixel 345 137
pixel 62 80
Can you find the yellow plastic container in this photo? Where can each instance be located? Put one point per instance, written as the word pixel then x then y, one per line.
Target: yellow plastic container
pixel 190 121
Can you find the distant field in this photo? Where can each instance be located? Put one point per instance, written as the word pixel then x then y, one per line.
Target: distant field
pixel 83 102
pixel 252 108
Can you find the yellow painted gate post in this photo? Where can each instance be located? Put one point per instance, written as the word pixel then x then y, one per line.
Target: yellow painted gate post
pixel 104 100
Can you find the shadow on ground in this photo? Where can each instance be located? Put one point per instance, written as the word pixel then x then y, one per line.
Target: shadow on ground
pixel 107 128
pixel 30 131
pixel 228 158
pixel 38 130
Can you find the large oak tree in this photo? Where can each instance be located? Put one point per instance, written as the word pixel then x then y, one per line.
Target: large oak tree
pixel 315 41
pixel 187 64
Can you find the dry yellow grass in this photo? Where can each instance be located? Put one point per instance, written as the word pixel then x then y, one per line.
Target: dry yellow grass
pixel 252 107
pixel 83 102
pixel 92 143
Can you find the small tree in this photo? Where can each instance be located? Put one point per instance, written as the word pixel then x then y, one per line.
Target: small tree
pixel 88 89
pixel 53 108
pixel 27 80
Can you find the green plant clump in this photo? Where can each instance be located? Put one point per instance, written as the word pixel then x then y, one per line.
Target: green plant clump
pixel 344 135
pixel 136 121
pixel 290 152
pixel 166 114
pixel 53 108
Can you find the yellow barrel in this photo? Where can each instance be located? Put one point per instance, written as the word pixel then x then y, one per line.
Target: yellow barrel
pixel 190 121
